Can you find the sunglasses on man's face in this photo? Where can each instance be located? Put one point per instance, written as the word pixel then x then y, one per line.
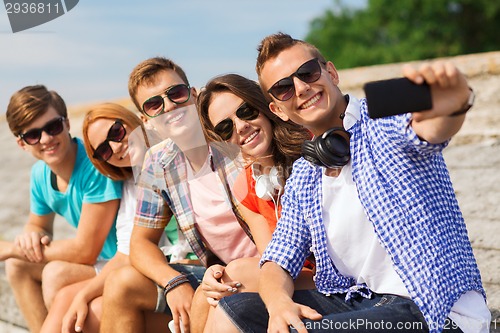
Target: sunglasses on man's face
pixel 155 105
pixel 116 133
pixel 225 127
pixel 52 128
pixel 308 72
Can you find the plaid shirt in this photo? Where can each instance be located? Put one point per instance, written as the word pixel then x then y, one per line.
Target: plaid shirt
pixel 163 189
pixel 405 189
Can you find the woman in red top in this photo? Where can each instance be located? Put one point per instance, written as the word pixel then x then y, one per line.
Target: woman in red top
pixel 233 109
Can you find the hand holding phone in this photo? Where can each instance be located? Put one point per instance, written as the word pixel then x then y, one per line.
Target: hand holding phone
pixel 396 96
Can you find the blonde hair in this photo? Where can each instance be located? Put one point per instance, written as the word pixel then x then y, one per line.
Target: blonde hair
pixel 110 111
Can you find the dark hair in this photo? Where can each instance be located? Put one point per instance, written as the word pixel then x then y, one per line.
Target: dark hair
pixel 146 72
pixel 30 103
pixel 287 136
pixel 271 46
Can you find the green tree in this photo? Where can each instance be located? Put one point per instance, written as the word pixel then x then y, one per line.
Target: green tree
pixel 387 31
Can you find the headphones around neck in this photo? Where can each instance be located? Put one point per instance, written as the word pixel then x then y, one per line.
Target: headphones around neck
pixel 267 186
pixel 330 150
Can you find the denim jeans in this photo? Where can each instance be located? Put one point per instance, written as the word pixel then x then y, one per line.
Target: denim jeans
pixel 381 313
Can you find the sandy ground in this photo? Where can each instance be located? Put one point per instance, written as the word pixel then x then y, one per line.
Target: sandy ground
pixel 473 158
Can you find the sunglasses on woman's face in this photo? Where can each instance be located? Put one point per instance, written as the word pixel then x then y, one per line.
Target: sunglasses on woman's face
pixel 116 133
pixel 225 127
pixel 308 72
pixel 155 106
pixel 52 128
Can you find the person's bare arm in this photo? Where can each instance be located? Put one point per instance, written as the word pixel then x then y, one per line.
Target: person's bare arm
pixel 95 224
pixel 77 313
pixel 147 258
pixel 276 289
pixel 10 250
pixel 31 243
pixel 450 92
pixel 259 227
pixel 95 287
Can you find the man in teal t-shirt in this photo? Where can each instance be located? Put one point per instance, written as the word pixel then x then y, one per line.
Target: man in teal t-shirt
pixel 63 182
pixel 86 185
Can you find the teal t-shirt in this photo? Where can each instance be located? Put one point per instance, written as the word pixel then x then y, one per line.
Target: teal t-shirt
pixel 86 185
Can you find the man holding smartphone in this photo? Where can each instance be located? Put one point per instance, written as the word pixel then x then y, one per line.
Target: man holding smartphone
pixel 373 201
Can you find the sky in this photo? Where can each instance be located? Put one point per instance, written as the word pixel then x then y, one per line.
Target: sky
pixel 87 54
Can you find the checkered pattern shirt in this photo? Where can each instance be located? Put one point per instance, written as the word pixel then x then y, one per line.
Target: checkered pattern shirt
pixel 405 189
pixel 163 189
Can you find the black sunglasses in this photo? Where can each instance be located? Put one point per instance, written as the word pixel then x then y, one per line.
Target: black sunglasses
pixel 52 128
pixel 155 106
pixel 308 72
pixel 116 133
pixel 225 127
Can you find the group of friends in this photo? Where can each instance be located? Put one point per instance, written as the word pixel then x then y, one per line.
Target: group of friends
pixel 276 205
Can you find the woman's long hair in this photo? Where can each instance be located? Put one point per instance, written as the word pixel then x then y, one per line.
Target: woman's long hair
pixel 287 139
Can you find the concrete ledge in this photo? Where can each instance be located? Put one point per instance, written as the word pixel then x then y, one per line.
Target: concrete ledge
pixel 10 316
pixel 9 328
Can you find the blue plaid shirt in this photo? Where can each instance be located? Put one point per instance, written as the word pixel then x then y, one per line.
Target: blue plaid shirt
pixel 405 189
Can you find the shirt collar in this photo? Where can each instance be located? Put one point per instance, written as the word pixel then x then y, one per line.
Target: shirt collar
pixel 352 112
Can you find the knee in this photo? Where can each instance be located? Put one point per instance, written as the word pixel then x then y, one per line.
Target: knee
pixel 95 310
pixel 53 279
pixel 93 320
pixel 15 270
pixel 54 271
pixel 121 284
pixel 96 307
pixel 241 269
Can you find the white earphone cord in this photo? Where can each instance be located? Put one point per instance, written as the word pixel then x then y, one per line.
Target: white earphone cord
pixel 276 203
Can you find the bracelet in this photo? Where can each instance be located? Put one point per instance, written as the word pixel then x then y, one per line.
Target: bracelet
pixel 466 107
pixel 175 282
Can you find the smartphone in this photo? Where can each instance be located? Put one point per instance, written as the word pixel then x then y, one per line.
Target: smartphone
pixel 396 96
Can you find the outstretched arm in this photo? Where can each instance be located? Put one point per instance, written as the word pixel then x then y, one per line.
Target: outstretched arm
pixel 35 243
pixel 276 289
pixel 450 94
pixel 10 250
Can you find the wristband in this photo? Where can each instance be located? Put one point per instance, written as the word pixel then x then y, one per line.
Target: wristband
pixel 175 282
pixel 466 107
